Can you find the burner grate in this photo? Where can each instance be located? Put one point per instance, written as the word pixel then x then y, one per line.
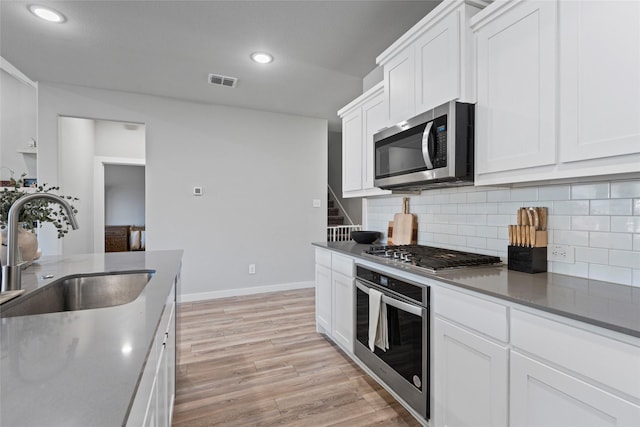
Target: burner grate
pixel 431 258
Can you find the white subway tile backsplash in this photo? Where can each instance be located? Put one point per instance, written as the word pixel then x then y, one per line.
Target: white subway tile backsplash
pixel 579 269
pixel 457 198
pixel 592 255
pixel 459 241
pixel 610 274
pixel 624 259
pixel 524 194
pixel 477 197
pixel 487 231
pixel 590 191
pixel 601 220
pixel 499 196
pixel 499 219
pixel 509 208
pixel 574 238
pixel 610 240
pixel 555 192
pixel 611 207
pixel 559 222
pixel 625 189
pixel 477 219
pixel 573 207
pixel 468 230
pixel 477 242
pixel 625 224
pixel 590 223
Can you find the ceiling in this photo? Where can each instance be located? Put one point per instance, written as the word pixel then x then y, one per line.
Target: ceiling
pixel 322 49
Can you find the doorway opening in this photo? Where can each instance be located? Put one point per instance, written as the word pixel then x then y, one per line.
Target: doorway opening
pixel 89 149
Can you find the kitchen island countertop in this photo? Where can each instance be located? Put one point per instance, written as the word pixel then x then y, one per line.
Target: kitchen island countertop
pixel 607 305
pixel 80 368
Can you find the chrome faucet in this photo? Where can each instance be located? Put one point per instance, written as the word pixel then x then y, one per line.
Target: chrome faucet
pixel 11 273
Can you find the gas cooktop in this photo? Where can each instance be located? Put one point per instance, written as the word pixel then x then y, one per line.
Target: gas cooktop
pixel 429 258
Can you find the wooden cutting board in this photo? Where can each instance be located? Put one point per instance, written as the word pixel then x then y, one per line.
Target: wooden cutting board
pixel 403 225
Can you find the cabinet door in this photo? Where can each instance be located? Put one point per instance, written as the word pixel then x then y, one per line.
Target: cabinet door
pixel 599 79
pixel 438 64
pixel 399 84
pixel 542 396
pixel 372 122
pixel 323 298
pixel 343 310
pixel 470 379
pixel 515 109
pixel 352 151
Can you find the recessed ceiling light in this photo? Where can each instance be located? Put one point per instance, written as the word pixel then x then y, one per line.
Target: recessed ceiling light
pixel 261 57
pixel 47 14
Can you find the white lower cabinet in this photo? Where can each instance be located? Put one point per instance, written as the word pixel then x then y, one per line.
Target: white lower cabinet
pixel 471 360
pixel 471 378
pixel 323 298
pixel 543 396
pixel 335 278
pixel 153 402
pixel 342 330
pixel 571 375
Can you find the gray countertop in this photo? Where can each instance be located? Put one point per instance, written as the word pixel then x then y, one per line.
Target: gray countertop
pixel 608 305
pixel 81 368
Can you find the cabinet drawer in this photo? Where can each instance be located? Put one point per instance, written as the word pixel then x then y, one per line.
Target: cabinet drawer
pixel 475 313
pixel 323 258
pixel 603 359
pixel 342 264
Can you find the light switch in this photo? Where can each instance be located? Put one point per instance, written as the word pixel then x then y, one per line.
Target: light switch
pixel 316 203
pixel 197 191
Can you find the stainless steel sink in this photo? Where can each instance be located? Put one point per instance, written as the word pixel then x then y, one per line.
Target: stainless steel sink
pixel 80 292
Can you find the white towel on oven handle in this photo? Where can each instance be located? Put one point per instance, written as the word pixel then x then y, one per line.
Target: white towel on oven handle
pixel 378 328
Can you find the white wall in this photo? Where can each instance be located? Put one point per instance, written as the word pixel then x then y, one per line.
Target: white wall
pixel 600 219
pixel 260 172
pixel 18 118
pixel 77 141
pixel 124 195
pixel 118 139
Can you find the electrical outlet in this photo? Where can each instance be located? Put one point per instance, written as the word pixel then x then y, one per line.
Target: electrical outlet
pixel 252 269
pixel 561 253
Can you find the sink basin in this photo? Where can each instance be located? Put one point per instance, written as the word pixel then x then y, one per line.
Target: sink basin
pixel 80 292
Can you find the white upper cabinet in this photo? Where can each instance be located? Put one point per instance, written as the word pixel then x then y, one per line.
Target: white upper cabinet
pixel 430 64
pixel 600 79
pixel 438 63
pixel 361 119
pixel 558 92
pixel 515 107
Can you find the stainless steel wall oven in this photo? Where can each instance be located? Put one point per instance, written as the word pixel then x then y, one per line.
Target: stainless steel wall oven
pixel 404 366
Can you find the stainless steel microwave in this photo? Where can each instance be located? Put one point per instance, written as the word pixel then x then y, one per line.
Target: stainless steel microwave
pixel 431 150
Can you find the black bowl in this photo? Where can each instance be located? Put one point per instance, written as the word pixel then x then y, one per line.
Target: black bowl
pixel 365 236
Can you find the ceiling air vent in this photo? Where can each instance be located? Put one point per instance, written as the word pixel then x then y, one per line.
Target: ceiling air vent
pixel 217 79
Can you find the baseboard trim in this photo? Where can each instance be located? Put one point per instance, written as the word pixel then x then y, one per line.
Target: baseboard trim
pixel 201 296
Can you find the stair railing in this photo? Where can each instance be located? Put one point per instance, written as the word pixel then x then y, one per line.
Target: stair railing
pixel 341 233
pixel 342 209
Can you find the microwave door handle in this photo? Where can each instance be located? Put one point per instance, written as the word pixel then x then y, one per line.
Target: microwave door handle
pixel 426 150
pixel 394 302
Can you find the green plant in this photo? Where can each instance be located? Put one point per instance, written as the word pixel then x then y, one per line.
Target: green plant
pixel 36 211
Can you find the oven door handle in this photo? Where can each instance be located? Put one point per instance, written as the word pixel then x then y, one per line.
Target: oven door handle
pixel 394 302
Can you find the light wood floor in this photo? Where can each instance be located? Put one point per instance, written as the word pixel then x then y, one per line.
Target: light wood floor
pixel 258 361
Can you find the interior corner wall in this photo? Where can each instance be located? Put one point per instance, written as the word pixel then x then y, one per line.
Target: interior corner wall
pixel 259 171
pixel 77 139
